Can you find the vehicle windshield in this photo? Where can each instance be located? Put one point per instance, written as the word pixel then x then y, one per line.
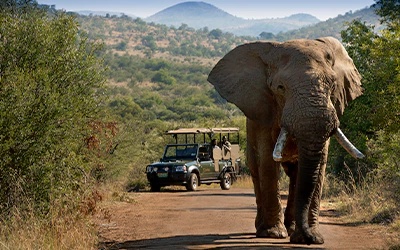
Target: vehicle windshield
pixel 180 152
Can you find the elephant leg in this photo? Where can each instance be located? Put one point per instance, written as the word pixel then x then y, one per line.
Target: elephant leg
pixel 291 172
pixel 265 175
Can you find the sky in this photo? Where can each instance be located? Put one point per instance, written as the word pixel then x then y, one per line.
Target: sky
pixel 248 9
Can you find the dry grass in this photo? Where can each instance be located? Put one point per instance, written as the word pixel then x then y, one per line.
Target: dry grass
pixel 60 233
pixel 244 181
pixel 368 202
pixel 65 226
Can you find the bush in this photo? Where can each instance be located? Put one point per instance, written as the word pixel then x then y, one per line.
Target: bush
pixel 51 81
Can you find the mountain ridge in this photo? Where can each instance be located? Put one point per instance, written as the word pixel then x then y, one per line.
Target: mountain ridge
pixel 201 14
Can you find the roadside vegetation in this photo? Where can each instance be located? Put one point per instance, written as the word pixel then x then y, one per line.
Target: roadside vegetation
pixel 51 105
pixel 85 102
pixel 369 190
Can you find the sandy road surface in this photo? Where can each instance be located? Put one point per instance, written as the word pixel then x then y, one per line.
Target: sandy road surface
pixel 210 219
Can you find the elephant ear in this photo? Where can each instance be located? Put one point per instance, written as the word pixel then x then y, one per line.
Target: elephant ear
pixel 241 76
pixel 348 78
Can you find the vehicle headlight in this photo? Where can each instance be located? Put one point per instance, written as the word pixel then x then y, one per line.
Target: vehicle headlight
pixel 151 169
pixel 180 168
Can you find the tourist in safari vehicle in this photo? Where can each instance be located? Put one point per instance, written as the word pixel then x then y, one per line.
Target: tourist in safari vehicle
pixel 195 158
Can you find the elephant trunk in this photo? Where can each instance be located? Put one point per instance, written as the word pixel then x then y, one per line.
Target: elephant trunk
pixel 311 160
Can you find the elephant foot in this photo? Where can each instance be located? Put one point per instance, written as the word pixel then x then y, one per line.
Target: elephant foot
pixel 277 232
pixel 308 236
pixel 290 227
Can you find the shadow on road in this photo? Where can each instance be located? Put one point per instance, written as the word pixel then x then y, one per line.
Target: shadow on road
pixel 220 194
pixel 213 241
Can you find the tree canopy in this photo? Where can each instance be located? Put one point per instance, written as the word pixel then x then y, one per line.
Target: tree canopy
pixel 374 117
pixel 51 82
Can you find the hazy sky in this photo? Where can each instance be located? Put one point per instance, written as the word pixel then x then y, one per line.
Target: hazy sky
pixel 249 9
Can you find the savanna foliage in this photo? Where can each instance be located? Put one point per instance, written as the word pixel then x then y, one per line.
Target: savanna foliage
pixel 63 131
pixel 373 118
pixel 51 104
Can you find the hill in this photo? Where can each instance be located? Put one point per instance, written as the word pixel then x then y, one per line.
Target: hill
pixel 256 27
pixel 196 15
pixel 101 13
pixel 160 71
pixel 330 27
pixel 199 15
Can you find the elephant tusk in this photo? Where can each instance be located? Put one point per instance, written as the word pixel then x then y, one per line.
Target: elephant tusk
pixel 280 144
pixel 346 144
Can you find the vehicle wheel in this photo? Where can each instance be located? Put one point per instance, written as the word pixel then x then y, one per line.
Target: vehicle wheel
pixel 155 187
pixel 192 184
pixel 226 182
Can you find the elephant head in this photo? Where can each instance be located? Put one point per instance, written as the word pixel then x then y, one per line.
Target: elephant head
pixel 297 89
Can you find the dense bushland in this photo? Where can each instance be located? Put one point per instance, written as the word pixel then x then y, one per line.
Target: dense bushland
pixel 163 89
pixel 52 126
pixel 85 102
pixel 374 183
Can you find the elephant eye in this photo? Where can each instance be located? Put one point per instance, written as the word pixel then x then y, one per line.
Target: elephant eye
pixel 281 88
pixel 329 58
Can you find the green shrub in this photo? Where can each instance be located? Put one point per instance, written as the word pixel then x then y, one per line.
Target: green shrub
pixel 51 81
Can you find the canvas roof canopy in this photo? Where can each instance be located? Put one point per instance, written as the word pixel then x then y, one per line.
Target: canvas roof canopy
pixel 203 130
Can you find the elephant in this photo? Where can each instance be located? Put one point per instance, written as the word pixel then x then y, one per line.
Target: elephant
pixel 292 94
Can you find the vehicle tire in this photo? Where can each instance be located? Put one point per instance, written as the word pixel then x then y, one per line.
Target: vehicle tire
pixel 193 182
pixel 155 187
pixel 226 182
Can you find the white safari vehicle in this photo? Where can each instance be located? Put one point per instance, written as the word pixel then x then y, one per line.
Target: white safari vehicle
pixel 193 160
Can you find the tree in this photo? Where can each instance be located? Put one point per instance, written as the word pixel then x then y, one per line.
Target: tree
pixel 16 6
pixel 149 42
pixel 267 35
pixel 121 46
pixel 51 82
pixel 215 33
pixel 389 10
pixel 376 57
pixel 163 76
pixel 374 115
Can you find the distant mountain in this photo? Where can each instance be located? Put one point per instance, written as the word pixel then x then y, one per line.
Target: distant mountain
pixel 196 15
pixel 274 26
pixel 200 14
pixel 332 26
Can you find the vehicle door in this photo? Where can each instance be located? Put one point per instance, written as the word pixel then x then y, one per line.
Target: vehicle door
pixel 206 163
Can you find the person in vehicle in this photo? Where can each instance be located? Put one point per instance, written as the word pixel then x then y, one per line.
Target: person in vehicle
pixel 226 144
pixel 214 143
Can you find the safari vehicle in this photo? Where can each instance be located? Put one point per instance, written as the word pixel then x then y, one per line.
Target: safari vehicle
pixel 191 161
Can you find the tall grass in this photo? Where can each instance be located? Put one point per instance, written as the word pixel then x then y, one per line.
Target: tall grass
pixel 37 234
pixel 244 181
pixel 64 226
pixel 372 200
pixel 61 232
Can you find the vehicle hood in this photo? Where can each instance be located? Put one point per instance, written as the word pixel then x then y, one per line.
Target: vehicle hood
pixel 172 163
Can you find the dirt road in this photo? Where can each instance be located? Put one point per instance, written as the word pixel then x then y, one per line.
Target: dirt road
pixel 210 219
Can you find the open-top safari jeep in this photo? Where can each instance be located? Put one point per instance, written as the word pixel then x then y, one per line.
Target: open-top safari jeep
pixel 193 161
